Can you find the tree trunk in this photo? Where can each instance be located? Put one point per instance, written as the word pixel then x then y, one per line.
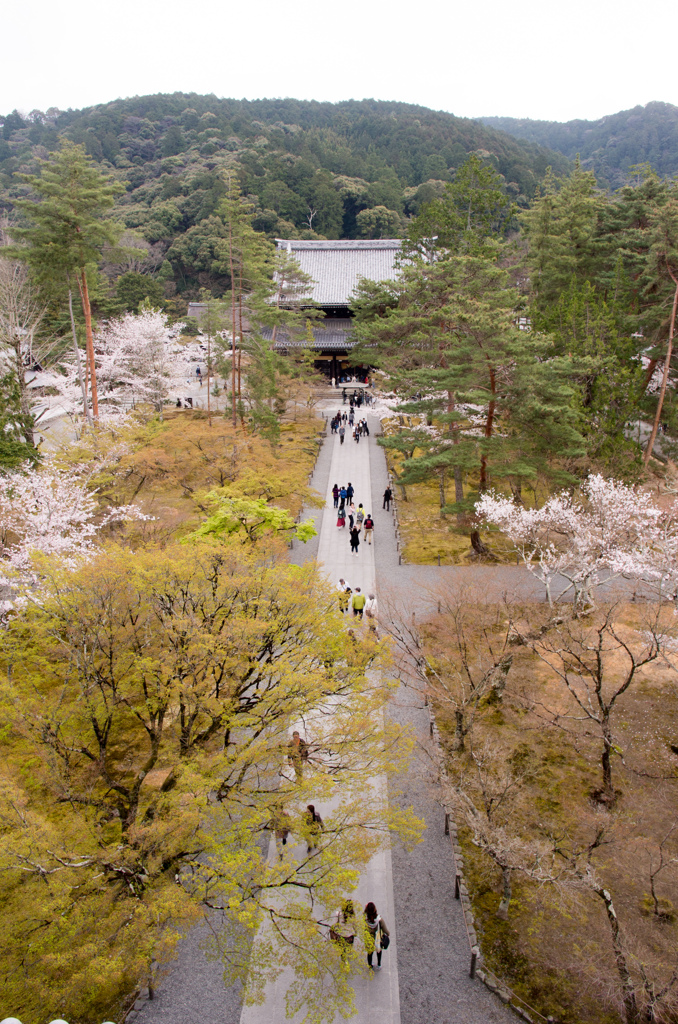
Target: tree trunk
pixel 230 259
pixel 503 909
pixel 631 1014
pixel 26 428
pixel 441 491
pixel 209 368
pixel 477 544
pixel 78 362
pixel 87 310
pixel 606 762
pixel 459 730
pixel 665 378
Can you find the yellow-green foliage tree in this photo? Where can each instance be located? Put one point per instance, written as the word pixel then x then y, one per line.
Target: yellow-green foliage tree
pixel 146 712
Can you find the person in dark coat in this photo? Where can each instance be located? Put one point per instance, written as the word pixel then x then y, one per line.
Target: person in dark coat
pixel 388 494
pixel 355 540
pixel 335 495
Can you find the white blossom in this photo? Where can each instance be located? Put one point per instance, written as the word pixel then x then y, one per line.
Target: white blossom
pixel 50 511
pixel 612 530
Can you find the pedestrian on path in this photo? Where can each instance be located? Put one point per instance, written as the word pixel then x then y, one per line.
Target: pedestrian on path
pixel 351 515
pixel 358 603
pixel 342 431
pixel 359 516
pixel 356 436
pixel 355 540
pixel 377 935
pixel 314 827
pixel 297 754
pixel 335 495
pixel 280 824
pixel 343 931
pixel 341 517
pixel 342 494
pixel 371 611
pixel 388 494
pixel 368 526
pixel 349 492
pixel 344 595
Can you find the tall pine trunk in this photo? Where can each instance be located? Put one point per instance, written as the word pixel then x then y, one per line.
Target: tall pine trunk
pixel 78 361
pixel 87 311
pixel 665 377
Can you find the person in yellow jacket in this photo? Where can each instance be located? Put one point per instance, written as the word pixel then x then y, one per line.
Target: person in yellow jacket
pixel 358 603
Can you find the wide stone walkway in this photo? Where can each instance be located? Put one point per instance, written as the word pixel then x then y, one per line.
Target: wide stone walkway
pixel 424 979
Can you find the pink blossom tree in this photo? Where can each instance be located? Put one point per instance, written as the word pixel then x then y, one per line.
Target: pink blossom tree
pixel 612 530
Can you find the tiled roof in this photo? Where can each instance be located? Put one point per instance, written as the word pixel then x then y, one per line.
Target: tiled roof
pixel 328 335
pixel 335 266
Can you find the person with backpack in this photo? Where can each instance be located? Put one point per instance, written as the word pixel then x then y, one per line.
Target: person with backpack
pixel 368 526
pixel 359 517
pixel 377 935
pixel 358 603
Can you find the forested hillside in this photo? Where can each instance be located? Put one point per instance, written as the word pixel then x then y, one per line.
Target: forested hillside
pixel 345 170
pixel 611 145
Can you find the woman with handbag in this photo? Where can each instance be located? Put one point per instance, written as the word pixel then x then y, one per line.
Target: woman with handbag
pixel 377 936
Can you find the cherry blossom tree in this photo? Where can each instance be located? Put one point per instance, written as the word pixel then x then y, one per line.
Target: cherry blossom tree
pixel 612 530
pixel 51 511
pixel 137 361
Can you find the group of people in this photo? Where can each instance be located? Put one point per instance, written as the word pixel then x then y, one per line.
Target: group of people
pixel 357 518
pixel 357 398
pixel 376 935
pixel 341 422
pixel 359 604
pixel 344 927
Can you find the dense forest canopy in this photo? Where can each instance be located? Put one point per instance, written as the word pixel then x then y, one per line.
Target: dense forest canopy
pixel 344 170
pixel 609 146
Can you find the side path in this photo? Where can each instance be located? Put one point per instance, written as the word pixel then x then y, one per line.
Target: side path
pixel 433 949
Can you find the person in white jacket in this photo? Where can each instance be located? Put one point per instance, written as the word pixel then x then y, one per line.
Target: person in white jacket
pixel 371 611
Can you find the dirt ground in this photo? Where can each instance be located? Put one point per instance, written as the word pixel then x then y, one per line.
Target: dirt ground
pixel 533 757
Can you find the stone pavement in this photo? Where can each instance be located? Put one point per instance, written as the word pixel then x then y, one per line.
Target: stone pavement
pixel 377 996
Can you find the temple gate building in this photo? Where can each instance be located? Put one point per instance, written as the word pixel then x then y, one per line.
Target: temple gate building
pixel 336 267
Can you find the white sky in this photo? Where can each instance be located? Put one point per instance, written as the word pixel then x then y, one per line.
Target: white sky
pixel 543 59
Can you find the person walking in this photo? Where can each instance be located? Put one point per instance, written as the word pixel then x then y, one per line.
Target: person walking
pixel 351 515
pixel 343 931
pixel 377 935
pixel 356 436
pixel 358 603
pixel 342 431
pixel 368 527
pixel 281 825
pixel 388 495
pixel 366 429
pixel 341 517
pixel 314 827
pixel 349 492
pixel 297 754
pixel 344 595
pixel 371 610
pixel 355 540
pixel 342 494
pixel 335 496
pixel 359 516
